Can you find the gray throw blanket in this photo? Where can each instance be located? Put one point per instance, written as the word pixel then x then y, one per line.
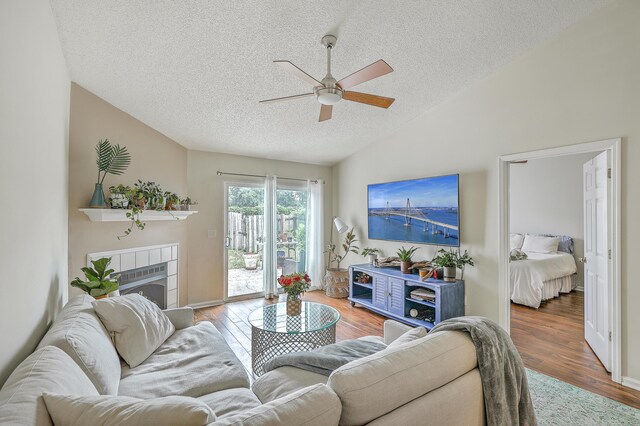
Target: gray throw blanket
pixel 504 382
pixel 517 254
pixel 325 359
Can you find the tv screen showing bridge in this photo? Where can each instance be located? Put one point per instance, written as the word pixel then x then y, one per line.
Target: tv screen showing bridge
pixel 423 211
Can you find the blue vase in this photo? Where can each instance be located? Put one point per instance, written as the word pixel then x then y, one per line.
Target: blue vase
pixel 98 201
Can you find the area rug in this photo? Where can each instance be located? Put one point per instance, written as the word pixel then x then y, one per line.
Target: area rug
pixel 562 404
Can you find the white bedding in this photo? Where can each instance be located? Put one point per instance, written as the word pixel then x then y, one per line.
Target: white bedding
pixel 528 276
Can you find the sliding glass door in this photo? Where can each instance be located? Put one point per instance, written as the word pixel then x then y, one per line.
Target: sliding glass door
pixel 260 247
pixel 244 240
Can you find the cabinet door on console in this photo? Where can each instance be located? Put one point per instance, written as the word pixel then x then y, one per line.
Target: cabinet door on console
pixel 380 291
pixel 396 296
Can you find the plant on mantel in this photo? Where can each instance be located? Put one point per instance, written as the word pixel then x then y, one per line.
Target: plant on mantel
pixel 111 159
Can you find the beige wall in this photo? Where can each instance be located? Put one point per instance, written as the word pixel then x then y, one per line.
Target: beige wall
pixel 581 86
pixel 154 157
pixel 34 120
pixel 206 254
pixel 546 197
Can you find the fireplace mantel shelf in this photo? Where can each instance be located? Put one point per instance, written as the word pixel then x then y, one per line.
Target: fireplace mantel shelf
pixel 120 215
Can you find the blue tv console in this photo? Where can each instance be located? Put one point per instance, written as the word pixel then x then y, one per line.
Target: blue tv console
pixel 388 293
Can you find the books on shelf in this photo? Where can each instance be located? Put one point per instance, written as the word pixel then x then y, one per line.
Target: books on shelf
pixel 423 294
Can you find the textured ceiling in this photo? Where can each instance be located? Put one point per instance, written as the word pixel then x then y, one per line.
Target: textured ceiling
pixel 195 70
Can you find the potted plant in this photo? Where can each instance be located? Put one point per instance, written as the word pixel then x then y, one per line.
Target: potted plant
pixel 172 200
pixel 450 260
pixel 372 253
pixel 111 159
pixel 119 196
pixel 99 280
pixel 294 286
pixel 406 259
pixel 337 279
pixel 186 203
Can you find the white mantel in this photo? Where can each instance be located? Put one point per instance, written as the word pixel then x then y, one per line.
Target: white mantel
pixel 139 257
pixel 120 215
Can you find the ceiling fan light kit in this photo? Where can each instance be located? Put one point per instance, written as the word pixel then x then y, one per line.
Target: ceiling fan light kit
pixel 330 91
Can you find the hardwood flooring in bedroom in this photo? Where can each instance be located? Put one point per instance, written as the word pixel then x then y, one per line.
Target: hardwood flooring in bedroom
pixel 551 341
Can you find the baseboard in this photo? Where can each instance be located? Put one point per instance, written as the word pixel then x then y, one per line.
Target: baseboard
pixel 206 304
pixel 579 288
pixel 631 383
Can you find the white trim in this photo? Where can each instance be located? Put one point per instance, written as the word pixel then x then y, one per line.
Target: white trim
pixel 129 250
pixel 630 382
pixel 615 310
pixel 206 304
pixel 120 215
pixel 579 288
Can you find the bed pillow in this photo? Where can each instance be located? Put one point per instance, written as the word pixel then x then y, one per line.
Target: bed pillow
pixel 127 411
pixel 540 244
pixel 515 241
pixel 566 243
pixel 138 325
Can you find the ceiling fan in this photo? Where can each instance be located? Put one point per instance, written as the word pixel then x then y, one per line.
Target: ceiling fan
pixel 329 91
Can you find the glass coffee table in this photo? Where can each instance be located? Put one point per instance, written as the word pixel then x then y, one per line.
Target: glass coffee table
pixel 275 333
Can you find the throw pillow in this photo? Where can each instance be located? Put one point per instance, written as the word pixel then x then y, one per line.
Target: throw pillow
pixel 540 244
pixel 409 336
pixel 125 411
pixel 516 240
pixel 138 325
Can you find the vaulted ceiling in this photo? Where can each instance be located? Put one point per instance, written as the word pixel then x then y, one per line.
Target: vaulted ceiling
pixel 195 70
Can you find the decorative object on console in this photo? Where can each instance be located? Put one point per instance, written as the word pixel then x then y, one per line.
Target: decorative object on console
pixel 336 279
pixel 99 281
pixel 112 159
pixel 406 256
pixel 372 253
pixel 329 91
pixel 294 286
pixel 363 278
pixel 450 261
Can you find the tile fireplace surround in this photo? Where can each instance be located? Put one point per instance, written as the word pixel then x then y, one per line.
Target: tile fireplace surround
pixel 139 257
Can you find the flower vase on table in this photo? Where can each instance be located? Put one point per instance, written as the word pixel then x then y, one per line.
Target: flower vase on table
pixel 294 286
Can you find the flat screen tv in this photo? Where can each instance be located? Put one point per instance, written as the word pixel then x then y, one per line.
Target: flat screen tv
pixel 422 211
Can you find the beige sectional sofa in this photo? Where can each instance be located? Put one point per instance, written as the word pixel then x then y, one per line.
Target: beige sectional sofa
pixel 433 380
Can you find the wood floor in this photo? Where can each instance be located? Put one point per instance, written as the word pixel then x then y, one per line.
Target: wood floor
pixel 549 339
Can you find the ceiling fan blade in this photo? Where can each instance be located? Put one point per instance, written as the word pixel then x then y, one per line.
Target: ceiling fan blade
pixel 365 98
pixel 375 70
pixel 287 98
pixel 289 67
pixel 325 112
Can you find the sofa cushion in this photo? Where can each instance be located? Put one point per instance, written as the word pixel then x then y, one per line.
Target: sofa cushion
pixel 283 381
pixel 409 336
pixel 125 411
pixel 194 361
pixel 231 401
pixel 48 369
pixel 411 370
pixel 80 334
pixel 138 325
pixel 313 406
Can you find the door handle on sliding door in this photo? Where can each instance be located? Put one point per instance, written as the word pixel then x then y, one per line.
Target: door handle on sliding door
pixel 227 242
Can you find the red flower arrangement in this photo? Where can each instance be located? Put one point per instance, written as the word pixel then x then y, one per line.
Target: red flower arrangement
pixel 295 284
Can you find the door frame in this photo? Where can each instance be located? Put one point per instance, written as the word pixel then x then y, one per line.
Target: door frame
pixel 613 146
pixel 225 297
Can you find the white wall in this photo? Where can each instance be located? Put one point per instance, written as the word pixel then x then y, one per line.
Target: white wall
pixel 206 256
pixel 581 86
pixel 34 118
pixel 546 198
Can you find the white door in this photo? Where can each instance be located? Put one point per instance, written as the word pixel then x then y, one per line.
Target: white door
pixel 596 253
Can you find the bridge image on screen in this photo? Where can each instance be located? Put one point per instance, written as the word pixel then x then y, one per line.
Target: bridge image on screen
pixel 423 211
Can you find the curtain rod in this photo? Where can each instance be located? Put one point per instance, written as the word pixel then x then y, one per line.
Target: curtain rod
pixel 219 173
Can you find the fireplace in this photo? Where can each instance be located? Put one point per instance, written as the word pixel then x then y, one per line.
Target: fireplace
pixel 149 281
pixel 151 271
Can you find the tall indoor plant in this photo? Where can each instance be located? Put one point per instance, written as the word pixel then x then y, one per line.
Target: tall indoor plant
pixel 111 159
pixel 336 279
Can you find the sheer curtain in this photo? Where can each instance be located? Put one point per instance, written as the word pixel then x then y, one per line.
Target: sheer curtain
pixel 314 256
pixel 270 243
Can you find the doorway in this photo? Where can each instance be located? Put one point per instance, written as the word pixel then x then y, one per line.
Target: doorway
pixel 611 299
pixel 247 236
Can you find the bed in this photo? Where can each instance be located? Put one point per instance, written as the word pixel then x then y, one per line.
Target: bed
pixel 544 274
